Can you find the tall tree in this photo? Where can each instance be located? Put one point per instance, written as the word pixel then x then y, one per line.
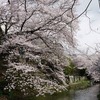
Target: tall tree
pixel 35 31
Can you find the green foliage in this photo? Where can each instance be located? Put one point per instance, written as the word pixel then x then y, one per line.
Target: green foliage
pixel 1 93
pixel 80 84
pixel 70 69
pixel 15 95
pixel 98 96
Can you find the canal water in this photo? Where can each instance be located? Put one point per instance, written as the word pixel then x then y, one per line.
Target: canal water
pixel 85 94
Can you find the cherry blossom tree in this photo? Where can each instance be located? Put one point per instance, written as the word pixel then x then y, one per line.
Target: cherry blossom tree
pixel 32 36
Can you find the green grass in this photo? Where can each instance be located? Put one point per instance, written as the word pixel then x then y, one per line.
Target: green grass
pixel 80 84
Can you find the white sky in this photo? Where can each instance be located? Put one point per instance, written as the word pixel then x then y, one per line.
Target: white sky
pixel 85 35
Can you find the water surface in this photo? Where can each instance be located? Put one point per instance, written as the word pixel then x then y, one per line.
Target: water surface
pixel 85 94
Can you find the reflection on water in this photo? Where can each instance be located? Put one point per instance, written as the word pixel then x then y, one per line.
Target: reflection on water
pixel 86 94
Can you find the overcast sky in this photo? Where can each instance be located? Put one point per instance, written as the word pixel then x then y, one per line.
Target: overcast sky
pixel 85 35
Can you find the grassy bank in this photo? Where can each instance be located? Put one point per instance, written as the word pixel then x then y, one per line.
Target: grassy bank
pixel 80 84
